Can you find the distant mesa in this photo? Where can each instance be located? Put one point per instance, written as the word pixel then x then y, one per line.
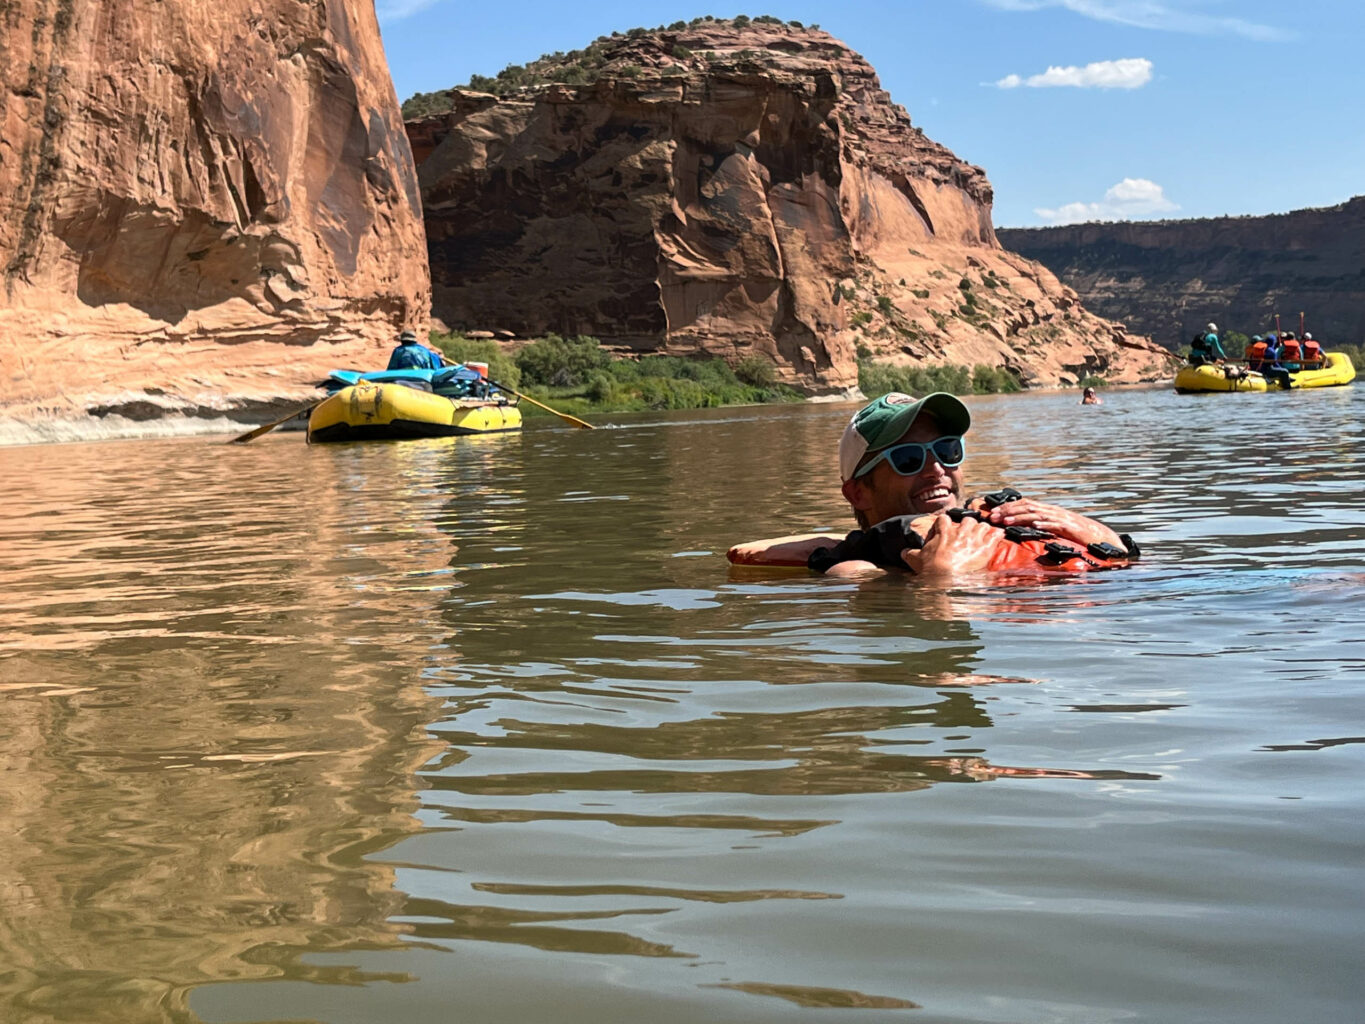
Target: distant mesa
pixel 1168 278
pixel 732 188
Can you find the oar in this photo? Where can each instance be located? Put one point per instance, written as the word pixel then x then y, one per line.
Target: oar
pixel 527 398
pixel 266 428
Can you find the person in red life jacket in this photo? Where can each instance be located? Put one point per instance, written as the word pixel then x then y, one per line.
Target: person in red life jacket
pixel 1290 353
pixel 1312 352
pixel 900 459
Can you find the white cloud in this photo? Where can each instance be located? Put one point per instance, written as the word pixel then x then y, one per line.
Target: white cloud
pixel 1127 73
pixel 397 10
pixel 1130 199
pixel 1174 16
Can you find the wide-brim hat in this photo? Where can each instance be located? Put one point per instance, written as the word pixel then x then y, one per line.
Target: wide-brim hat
pixel 882 423
pixel 408 336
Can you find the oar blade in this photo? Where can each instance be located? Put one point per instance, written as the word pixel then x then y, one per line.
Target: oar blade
pixel 266 428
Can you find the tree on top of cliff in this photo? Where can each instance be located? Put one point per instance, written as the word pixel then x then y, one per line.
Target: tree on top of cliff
pixel 623 53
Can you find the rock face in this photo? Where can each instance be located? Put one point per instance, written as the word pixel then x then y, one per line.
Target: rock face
pixel 203 206
pixel 1169 278
pixel 737 190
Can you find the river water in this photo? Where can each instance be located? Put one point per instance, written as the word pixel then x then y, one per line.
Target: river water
pixel 487 730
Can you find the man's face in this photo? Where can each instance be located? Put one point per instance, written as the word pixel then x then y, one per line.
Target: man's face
pixel 884 493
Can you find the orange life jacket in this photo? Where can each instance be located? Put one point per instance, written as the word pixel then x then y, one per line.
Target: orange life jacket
pixel 1018 548
pixel 1290 352
pixel 1256 353
pixel 1312 352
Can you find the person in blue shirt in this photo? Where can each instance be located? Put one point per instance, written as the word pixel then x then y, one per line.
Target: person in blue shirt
pixel 1205 347
pixel 409 355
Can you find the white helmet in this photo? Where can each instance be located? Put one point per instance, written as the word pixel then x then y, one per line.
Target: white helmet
pixel 1307 335
pixel 1212 327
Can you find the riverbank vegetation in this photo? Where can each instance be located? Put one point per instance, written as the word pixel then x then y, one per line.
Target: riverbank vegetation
pixel 877 378
pixel 577 375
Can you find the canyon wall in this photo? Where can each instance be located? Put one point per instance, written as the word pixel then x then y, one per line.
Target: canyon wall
pixel 204 207
pixel 736 190
pixel 1169 278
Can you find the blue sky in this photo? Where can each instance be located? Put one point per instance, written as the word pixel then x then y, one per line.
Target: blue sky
pixel 1077 109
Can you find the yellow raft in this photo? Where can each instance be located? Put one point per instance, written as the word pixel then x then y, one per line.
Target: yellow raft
pixel 373 412
pixel 1337 369
pixel 1209 377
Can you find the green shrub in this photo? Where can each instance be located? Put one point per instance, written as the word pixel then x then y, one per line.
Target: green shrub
pixel 920 293
pixel 561 362
pixel 1091 381
pixel 1356 353
pixel 681 52
pixel 885 305
pixel 1235 344
pixel 741 21
pixel 877 378
pixel 756 371
pixel 990 380
pixel 858 319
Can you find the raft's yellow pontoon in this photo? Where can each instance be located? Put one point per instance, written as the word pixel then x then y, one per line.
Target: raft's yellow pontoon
pixel 1209 377
pixel 1337 369
pixel 370 412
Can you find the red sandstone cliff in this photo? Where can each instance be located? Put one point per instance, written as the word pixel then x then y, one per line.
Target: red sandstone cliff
pixel 736 190
pixel 203 207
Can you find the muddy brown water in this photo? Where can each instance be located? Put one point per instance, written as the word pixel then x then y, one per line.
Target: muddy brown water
pixel 486 730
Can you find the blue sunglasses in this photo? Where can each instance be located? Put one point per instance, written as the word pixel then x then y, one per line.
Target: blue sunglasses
pixel 908 459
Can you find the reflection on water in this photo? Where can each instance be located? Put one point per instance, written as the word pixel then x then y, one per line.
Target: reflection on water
pixel 489 725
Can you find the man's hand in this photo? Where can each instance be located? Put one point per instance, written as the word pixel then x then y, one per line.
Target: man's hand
pixel 951 547
pixel 1061 522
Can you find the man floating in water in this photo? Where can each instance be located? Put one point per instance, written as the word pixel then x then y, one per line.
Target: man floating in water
pixel 900 460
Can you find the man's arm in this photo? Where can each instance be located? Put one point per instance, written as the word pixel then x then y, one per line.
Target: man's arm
pixel 792 550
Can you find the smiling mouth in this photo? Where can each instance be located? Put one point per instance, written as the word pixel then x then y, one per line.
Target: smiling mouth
pixel 933 494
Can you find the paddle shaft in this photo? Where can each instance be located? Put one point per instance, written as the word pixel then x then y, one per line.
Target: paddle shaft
pixel 266 428
pixel 526 398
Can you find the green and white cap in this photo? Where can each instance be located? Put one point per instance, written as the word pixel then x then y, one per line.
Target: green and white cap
pixel 882 423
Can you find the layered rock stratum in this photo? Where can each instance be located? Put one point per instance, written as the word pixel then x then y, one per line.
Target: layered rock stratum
pixel 736 190
pixel 203 208
pixel 1169 278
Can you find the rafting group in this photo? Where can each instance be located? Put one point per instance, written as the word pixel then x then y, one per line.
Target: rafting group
pixel 1276 360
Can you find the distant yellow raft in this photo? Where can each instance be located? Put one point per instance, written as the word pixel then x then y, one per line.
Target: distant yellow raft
pixel 387 412
pixel 1337 369
pixel 1213 378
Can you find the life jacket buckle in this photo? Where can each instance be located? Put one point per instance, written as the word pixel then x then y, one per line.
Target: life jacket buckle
pixel 1056 554
pixel 1019 534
